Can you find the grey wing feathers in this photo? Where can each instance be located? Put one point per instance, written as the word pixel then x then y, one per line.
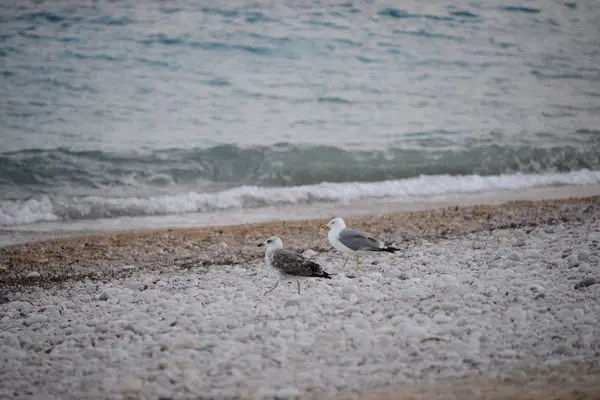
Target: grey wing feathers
pixel 293 263
pixel 358 241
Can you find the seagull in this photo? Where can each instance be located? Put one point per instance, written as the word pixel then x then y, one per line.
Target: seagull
pixel 289 263
pixel 352 242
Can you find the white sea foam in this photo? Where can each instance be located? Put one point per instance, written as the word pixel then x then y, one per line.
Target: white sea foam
pixel 15 213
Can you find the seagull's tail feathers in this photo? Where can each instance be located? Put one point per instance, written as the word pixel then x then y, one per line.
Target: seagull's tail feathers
pixel 323 274
pixel 317 271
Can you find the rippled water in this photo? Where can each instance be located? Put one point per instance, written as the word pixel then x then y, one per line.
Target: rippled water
pixel 126 109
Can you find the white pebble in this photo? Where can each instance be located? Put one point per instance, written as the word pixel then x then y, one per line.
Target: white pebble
pixel 132 386
pixel 441 318
pixel 411 330
pixel 291 303
pixel 583 256
pixel 448 306
pixel 516 314
pixel 514 257
pixel 35 318
pixel 149 295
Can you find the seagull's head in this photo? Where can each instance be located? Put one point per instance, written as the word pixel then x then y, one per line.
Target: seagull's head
pixel 336 224
pixel 272 243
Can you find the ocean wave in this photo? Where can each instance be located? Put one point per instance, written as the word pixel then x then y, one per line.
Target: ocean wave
pixel 49 208
pixel 39 171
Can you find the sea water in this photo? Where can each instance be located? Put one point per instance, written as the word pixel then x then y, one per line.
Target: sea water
pixel 116 113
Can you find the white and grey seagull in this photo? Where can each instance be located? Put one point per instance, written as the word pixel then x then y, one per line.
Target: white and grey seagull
pixel 288 263
pixel 352 242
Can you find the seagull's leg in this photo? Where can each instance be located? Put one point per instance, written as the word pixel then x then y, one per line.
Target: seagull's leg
pixel 273 288
pixel 357 262
pixel 343 265
pixel 298 282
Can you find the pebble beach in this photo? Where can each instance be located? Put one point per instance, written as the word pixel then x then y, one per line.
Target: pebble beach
pixel 149 147
pixel 488 301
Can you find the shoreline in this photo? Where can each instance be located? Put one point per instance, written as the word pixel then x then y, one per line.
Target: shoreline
pixel 105 255
pixel 298 212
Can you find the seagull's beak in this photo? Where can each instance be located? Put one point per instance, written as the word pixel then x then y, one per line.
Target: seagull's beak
pixel 324 226
pixel 260 245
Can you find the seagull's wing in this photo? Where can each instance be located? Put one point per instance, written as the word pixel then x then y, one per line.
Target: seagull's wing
pixel 358 241
pixel 293 263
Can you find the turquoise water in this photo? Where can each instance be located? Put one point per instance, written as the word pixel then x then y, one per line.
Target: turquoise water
pixel 113 109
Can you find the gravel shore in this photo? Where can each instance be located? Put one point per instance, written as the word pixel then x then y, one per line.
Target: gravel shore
pixel 484 302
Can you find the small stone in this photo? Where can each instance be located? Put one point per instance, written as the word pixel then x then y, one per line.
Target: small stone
pixel 351 309
pixel 441 318
pixel 351 275
pixel 583 256
pixel 132 386
pixel 353 299
pixel 516 314
pixel 35 318
pixel 33 275
pixel 134 285
pixel 585 282
pixel 519 243
pixel 398 274
pixel 449 306
pixel 514 257
pixel 536 288
pixel 563 348
pixel 585 267
pixel 309 253
pixel 128 267
pixel 103 296
pixel 91 287
pixel 187 342
pixel 410 330
pixel 149 296
pixel 291 303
